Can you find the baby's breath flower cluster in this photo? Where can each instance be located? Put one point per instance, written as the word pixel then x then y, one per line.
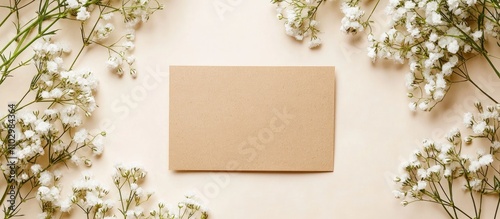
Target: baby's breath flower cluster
pixel 188 208
pixel 351 22
pixel 438 169
pixel 89 195
pixel 127 179
pixel 92 197
pixel 300 19
pixel 436 38
pixel 49 117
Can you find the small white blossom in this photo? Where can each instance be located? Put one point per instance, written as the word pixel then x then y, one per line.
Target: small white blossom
pixel 468 119
pixel 80 136
pixel 45 178
pixel 36 168
pixel 479 128
pixel 72 4
pixel 421 185
pixel 82 14
pixel 314 42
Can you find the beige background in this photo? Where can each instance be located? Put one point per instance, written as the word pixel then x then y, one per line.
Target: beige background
pixel 374 127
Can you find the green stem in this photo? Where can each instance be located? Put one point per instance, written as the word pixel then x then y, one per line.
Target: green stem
pixel 482 91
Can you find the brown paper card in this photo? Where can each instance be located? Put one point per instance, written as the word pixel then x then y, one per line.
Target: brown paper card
pixel 251 118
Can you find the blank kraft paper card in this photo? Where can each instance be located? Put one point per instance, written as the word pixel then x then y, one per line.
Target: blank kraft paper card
pixel 251 118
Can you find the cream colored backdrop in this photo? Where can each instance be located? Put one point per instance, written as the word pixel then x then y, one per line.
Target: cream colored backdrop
pixel 374 127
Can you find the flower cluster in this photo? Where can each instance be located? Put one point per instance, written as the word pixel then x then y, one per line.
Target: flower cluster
pixel 49 116
pixel 127 179
pixel 131 176
pixel 187 208
pixel 351 22
pixel 432 172
pixel 435 38
pixel 134 13
pixel 65 86
pixel 90 196
pixel 300 19
pixel 79 9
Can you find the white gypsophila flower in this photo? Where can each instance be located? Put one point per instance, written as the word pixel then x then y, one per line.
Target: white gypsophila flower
pixel 129 45
pixel 42 127
pixel 468 119
pixel 45 95
pixel 410 80
pixel 398 194
pixel 351 22
pixel 422 173
pixel 474 166
pixel 495 145
pixel 47 194
pixel 427 143
pixel 76 160
pixel 107 16
pixel 452 4
pixel 479 128
pixel 29 133
pixel 453 47
pixel 412 106
pixel 423 106
pixel 56 93
pixel 36 168
pixel 445 148
pixel 70 116
pixel 133 186
pixel 52 66
pixel 114 62
pixel 65 204
pixel 92 199
pixel 24 176
pixel 447 172
pixel 130 214
pixel 82 14
pixel 98 143
pixel 315 42
pixel 477 35
pixel 130 59
pixel 73 4
pixel 475 184
pixel 27 118
pixel 489 114
pixel 434 169
pixel 46 178
pixel 421 185
pixel 103 31
pixel 43 215
pixel 130 34
pixel 80 136
pixel 485 160
pixel 455 132
pixel 438 94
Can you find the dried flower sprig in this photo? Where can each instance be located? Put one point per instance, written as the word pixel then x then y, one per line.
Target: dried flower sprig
pixel 43 130
pixel 437 39
pixel 92 198
pixel 438 170
pixel 300 19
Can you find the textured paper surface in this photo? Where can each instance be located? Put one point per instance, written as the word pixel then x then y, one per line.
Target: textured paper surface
pixel 251 118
